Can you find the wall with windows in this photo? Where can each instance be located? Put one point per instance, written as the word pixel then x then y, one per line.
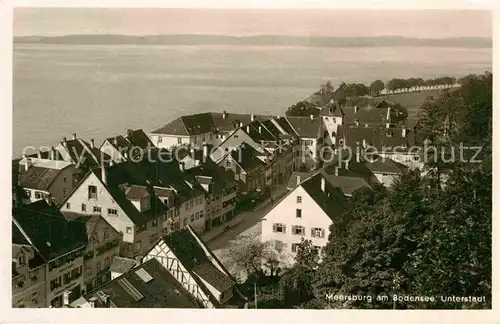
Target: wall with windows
pixel 65 273
pixel 92 197
pixel 168 141
pixel 104 244
pixel 331 124
pixel 28 286
pixel 297 216
pixel 192 212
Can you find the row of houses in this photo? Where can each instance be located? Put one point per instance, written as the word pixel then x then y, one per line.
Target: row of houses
pixel 420 88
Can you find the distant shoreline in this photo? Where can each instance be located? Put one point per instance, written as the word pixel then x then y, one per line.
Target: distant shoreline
pixel 263 40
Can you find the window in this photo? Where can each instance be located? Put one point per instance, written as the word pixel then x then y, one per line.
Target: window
pixel 138 246
pixel 298 230
pixel 179 140
pixel 192 203
pixel 27 193
pixel 228 163
pixel 416 158
pixel 295 247
pixel 185 221
pixel 203 138
pixel 65 192
pixel 106 262
pixel 106 234
pixel 129 230
pixel 68 205
pixel 317 232
pixel 113 212
pixel 280 228
pixel 201 214
pixel 98 266
pixel 299 199
pixel 92 192
pixel 38 195
pixel 197 216
pixel 21 259
pixel 84 207
pixel 88 271
pixel 159 139
pixel 97 209
pixel 130 246
pixel 192 217
pixel 65 180
pixel 298 213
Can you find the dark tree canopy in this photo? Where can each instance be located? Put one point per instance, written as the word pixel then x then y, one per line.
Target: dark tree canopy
pixel 303 109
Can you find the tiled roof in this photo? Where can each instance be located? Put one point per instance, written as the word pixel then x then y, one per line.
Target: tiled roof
pixel 199 124
pixel 283 122
pixel 208 272
pixel 263 134
pixel 306 127
pixel 384 165
pixel 136 192
pixel 45 163
pixel 331 109
pixel 347 184
pixel 246 156
pixel 370 116
pixel 231 121
pixel 38 178
pixel 163 291
pixel 331 200
pixel 175 127
pixel 378 137
pixel 268 124
pixel 186 246
pixel 139 139
pixel 122 144
pixel 220 178
pixel 81 152
pixel 48 230
pixel 122 265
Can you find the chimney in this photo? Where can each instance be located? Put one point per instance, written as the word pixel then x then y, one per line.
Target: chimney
pixel 192 152
pixel 115 141
pixel 38 154
pixel 298 180
pixel 92 143
pixel 260 129
pixel 52 153
pixel 312 117
pixel 66 298
pixel 65 142
pixel 74 136
pixel 323 183
pixel 92 302
pixel 197 162
pixel 336 171
pixel 181 166
pixel 129 132
pixel 224 114
pixel 28 164
pixel 205 151
pixel 104 175
pixel 248 128
pixel 356 122
pixel 388 116
pixel 403 132
pixel 241 124
pixel 356 109
pixel 252 117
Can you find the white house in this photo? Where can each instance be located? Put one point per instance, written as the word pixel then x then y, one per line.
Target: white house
pixel 307 211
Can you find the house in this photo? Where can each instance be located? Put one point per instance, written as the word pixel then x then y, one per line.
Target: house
pixel 306 212
pixel 120 265
pixel 310 132
pixel 58 244
pixel 198 129
pixel 248 166
pixel 81 153
pixel 349 177
pixel 197 269
pixel 148 285
pixel 396 143
pixel 42 178
pixel 122 196
pixel 123 147
pixel 103 245
pixel 28 273
pixel 385 170
pixel 220 191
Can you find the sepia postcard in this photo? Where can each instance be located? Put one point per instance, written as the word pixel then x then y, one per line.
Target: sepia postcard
pixel 251 159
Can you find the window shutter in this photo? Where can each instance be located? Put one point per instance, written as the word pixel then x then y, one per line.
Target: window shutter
pixel 274 227
pixel 322 232
pixel 284 228
pixel 313 233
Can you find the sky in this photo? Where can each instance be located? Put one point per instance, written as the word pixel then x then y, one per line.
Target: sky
pixel 241 22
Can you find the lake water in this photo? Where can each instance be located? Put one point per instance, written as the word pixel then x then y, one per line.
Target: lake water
pixel 100 91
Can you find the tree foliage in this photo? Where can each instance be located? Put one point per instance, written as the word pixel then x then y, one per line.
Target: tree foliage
pixel 303 109
pixel 377 86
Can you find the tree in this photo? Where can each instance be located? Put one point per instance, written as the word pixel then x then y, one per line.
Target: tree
pixel 295 285
pixel 303 108
pixel 377 86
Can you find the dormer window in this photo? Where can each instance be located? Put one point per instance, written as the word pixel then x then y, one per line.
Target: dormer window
pixel 388 134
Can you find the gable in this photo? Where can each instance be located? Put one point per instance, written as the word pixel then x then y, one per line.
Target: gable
pixel 104 200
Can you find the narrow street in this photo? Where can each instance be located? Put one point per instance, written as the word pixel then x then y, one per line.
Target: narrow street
pixel 243 224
